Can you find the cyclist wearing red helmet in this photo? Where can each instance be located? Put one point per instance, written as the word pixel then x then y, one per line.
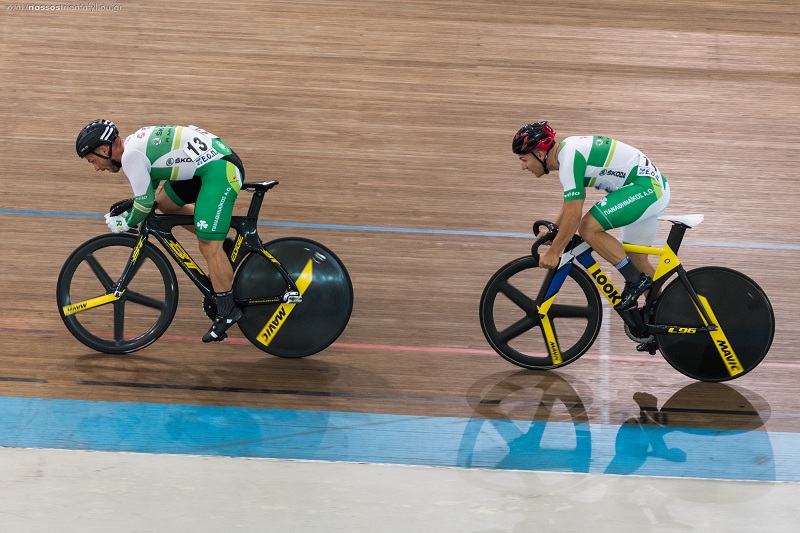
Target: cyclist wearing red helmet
pixel 637 194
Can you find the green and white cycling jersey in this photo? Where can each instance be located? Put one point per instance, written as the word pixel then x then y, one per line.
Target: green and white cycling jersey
pixel 638 191
pixel 176 154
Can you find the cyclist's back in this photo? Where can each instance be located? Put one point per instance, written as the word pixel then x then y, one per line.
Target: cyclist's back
pixel 178 154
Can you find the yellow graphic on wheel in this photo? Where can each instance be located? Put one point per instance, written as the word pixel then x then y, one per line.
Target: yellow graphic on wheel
pixel 278 318
pixel 549 333
pixel 88 304
pixel 721 342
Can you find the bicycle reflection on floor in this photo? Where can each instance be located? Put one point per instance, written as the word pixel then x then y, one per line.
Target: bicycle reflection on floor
pixel 708 424
pixel 538 421
pixel 511 414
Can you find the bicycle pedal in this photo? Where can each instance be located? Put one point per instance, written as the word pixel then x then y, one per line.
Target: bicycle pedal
pixel 649 347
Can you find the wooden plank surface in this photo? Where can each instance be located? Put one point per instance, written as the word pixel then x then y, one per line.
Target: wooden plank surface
pixel 400 115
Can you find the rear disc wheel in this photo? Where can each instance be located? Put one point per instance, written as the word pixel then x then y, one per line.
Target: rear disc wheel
pixel 744 315
pixel 305 328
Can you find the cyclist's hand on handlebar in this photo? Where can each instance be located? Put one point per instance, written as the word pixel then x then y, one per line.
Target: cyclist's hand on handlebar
pixel 118 208
pixel 117 223
pixel 549 259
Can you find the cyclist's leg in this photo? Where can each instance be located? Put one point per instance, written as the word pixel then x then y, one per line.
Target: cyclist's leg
pixel 605 244
pixel 643 231
pixel 221 182
pixel 178 198
pixel 642 199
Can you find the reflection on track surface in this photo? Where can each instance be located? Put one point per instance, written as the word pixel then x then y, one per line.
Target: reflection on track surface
pixel 520 421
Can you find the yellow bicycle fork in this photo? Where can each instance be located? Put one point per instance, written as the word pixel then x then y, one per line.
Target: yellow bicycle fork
pixel 91 303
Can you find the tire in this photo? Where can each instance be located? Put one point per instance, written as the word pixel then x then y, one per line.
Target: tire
pixel 143 312
pixel 294 330
pixel 744 314
pixel 510 321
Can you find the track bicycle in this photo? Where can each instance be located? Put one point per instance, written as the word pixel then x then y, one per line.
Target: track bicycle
pixel 295 294
pixel 710 323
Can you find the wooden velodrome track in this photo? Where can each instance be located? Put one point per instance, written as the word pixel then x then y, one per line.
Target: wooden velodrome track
pixel 400 115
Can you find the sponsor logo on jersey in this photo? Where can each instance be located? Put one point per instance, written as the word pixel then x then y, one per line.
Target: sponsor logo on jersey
pixel 205 157
pixel 648 171
pixel 615 173
pixel 178 161
pixel 628 201
pixel 165 132
pixel 220 206
pixel 571 194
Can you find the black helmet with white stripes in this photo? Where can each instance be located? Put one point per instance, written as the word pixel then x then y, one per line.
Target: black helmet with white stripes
pixel 95 134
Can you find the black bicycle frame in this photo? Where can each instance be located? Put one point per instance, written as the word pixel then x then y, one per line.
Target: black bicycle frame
pixel 247 240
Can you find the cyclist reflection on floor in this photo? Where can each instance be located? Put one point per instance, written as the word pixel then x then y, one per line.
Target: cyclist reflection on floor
pixel 712 425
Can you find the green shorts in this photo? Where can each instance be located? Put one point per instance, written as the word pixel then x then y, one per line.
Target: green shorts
pixel 635 208
pixel 213 190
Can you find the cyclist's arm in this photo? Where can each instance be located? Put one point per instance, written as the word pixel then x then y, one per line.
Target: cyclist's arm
pixel 137 168
pixel 571 172
pixel 568 220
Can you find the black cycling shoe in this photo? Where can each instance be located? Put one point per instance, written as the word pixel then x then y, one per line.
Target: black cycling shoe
pixel 649 347
pixel 633 291
pixel 221 325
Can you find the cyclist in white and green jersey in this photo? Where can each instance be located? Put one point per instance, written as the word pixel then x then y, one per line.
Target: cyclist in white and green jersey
pixel 201 175
pixel 637 194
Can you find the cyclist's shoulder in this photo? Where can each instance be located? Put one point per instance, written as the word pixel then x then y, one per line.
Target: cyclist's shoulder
pixel 580 143
pixel 590 141
pixel 146 135
pixel 575 147
pixel 200 130
pixel 167 132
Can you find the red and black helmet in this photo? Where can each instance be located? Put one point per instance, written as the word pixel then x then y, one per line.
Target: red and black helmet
pixel 535 136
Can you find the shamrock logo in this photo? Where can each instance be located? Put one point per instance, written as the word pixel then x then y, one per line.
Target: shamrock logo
pixel 202 224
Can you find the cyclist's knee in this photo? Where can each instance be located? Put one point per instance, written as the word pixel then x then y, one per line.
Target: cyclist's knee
pixel 589 226
pixel 166 205
pixel 208 245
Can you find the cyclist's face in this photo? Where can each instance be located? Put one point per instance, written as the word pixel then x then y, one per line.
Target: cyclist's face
pixel 530 164
pixel 102 164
